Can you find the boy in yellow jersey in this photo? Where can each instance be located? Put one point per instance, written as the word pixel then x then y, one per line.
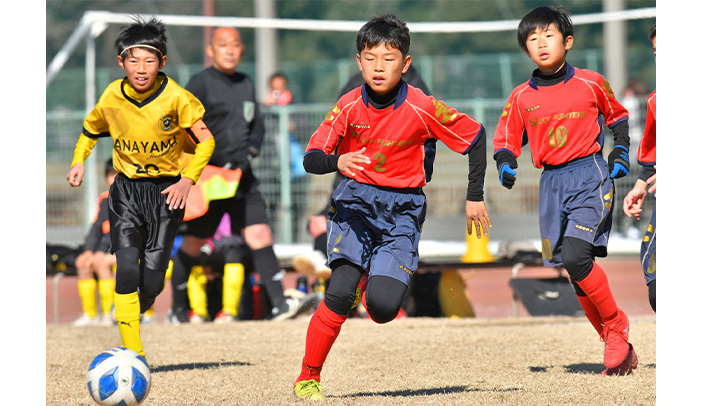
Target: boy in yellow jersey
pixel 96 261
pixel 154 124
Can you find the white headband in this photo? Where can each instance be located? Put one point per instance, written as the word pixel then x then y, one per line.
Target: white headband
pixel 141 46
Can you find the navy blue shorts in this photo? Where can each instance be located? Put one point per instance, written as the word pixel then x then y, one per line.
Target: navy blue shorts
pixel 575 200
pixel 376 228
pixel 139 217
pixel 648 249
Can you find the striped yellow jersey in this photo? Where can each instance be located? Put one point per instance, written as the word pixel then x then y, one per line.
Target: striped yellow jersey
pixel 153 133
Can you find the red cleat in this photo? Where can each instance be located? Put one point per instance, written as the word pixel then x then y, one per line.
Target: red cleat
pixel 616 339
pixel 626 367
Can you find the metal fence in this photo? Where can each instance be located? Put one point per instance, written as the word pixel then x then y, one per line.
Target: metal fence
pixel 292 195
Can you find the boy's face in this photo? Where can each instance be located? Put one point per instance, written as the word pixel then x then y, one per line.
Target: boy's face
pixel 653 40
pixel 382 67
pixel 547 48
pixel 225 49
pixel 141 67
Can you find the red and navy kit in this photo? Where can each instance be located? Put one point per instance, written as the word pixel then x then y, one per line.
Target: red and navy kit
pixel 394 137
pixel 560 122
pixel 647 147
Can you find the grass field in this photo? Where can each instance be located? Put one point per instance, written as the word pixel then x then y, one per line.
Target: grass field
pixel 412 361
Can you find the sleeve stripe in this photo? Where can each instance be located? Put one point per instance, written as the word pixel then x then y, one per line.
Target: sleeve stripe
pixel 199 132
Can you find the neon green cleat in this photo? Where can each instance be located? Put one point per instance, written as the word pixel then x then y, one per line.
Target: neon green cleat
pixel 309 390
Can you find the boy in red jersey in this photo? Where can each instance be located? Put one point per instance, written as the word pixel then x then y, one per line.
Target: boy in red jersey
pixel 375 136
pixel 636 196
pixel 150 119
pixel 557 111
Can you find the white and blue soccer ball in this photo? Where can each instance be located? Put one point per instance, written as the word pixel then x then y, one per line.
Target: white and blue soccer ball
pixel 119 376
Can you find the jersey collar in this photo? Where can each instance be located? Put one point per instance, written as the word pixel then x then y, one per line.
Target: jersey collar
pixel 154 94
pixel 401 95
pixel 570 72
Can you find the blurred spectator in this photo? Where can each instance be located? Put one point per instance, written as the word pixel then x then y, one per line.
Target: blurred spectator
pixel 96 262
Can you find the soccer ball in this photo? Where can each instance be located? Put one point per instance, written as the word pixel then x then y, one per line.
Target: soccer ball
pixel 119 376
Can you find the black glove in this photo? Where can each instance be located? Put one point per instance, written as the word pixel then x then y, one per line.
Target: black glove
pixel 506 165
pixel 618 162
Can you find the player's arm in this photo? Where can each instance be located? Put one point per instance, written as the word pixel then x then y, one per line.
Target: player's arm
pixel 510 136
pixel 257 130
pixel 617 119
pixel 84 147
pixel 476 211
pixel 204 146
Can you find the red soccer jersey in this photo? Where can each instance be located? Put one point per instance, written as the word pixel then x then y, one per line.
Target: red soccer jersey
pixel 647 147
pixel 561 121
pixel 394 137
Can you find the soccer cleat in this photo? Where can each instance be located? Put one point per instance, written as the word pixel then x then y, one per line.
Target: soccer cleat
pixel 224 318
pixel 360 289
pixel 292 307
pixel 106 320
pixel 309 390
pixel 179 316
pixel 86 320
pixel 626 367
pixel 616 339
pixel 196 319
pixel 148 317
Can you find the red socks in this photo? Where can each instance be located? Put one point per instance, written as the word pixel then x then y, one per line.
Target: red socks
pixel 591 313
pixel 322 331
pixel 596 287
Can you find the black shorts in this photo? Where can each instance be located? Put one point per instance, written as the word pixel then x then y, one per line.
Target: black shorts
pixel 140 217
pixel 245 209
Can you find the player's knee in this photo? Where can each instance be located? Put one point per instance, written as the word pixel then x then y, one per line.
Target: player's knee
pixel 652 294
pixel 127 276
pixel 384 297
pixel 577 258
pixel 338 301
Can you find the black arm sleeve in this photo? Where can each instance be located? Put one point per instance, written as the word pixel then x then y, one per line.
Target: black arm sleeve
pixel 477 163
pixel 620 132
pixel 319 163
pixel 646 172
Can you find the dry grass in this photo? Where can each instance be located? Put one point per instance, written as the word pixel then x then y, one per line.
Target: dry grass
pixel 414 361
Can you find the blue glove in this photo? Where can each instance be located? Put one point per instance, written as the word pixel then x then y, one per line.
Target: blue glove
pixel 618 162
pixel 506 165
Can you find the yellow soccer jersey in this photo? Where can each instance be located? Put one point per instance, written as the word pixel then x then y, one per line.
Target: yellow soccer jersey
pixel 151 135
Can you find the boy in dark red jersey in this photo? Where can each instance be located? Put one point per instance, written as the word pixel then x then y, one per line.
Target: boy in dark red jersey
pixel 558 112
pixel 636 196
pixel 375 136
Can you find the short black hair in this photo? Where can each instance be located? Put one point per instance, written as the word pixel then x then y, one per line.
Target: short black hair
pixel 386 29
pixel 652 33
pixel 151 33
pixel 542 17
pixel 278 75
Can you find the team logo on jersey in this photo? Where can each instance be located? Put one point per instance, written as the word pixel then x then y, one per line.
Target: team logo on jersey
pixel 507 107
pixel 249 111
pixel 166 122
pixel 331 113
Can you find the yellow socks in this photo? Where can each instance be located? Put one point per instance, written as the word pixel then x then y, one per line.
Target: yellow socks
pixel 106 287
pixel 197 291
pixel 127 314
pixel 86 291
pixel 232 281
